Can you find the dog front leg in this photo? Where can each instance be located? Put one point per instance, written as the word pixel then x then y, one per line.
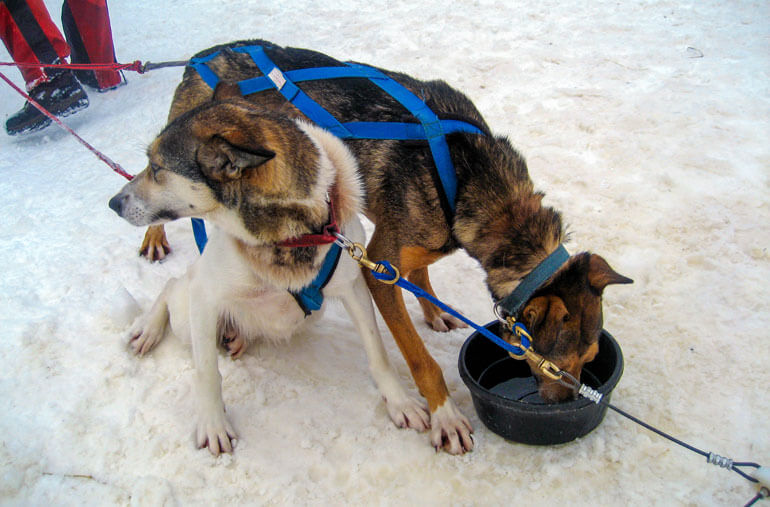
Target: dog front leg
pixel 404 410
pixel 155 245
pixel 214 430
pixel 450 429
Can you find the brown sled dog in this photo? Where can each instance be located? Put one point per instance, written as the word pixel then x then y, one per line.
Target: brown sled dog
pixel 499 220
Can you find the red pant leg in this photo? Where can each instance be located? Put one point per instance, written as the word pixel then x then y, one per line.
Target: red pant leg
pixel 87 27
pixel 31 36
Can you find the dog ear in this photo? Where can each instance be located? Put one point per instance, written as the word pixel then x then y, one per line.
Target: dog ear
pixel 223 161
pixel 227 90
pixel 547 315
pixel 534 312
pixel 600 274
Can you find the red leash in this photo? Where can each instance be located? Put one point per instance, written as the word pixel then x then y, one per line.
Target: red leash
pixel 104 158
pixel 136 66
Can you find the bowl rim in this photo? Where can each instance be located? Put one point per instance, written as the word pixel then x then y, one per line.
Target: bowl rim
pixel 577 404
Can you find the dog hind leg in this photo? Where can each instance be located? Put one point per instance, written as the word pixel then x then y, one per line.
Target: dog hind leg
pixel 231 338
pixel 151 328
pixel 437 319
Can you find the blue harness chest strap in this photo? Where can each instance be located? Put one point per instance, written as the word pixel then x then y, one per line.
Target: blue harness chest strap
pixel 310 298
pixel 199 232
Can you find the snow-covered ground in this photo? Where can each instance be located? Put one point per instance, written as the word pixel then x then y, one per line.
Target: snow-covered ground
pixel 646 123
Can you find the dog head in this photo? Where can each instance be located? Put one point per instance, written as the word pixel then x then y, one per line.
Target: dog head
pixel 256 174
pixel 564 318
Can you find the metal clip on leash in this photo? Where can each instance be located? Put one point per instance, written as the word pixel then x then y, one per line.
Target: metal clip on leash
pixel 358 253
pixel 549 369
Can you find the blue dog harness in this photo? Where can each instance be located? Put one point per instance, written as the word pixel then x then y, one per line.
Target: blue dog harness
pixel 310 298
pixel 430 128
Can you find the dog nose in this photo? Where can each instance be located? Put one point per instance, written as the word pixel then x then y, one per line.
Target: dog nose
pixel 116 203
pixel 553 392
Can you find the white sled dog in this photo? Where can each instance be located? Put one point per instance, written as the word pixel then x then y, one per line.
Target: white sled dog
pixel 262 179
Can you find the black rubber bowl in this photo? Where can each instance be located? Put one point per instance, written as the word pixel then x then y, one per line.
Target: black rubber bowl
pixel 505 394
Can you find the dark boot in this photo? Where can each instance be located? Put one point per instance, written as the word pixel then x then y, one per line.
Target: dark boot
pixel 88 78
pixel 62 95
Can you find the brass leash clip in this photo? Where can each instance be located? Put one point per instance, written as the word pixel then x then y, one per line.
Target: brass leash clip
pixel 358 252
pixel 510 323
pixel 548 368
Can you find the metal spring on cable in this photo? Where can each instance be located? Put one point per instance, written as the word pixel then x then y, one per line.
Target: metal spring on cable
pixel 716 459
pixel 591 394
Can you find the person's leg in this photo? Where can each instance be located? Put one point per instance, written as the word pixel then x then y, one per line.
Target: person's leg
pixel 31 36
pixel 87 27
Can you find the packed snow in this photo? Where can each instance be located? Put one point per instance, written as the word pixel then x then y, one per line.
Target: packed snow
pixel 646 123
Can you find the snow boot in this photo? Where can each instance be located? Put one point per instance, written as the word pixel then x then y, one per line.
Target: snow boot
pixel 61 95
pixel 88 79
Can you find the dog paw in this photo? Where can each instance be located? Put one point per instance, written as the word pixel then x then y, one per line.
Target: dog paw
pixel 215 432
pixel 450 430
pixel 143 338
pixel 155 245
pixel 233 342
pixel 445 322
pixel 408 413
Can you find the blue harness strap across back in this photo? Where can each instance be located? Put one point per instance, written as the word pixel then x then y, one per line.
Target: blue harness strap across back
pixel 430 128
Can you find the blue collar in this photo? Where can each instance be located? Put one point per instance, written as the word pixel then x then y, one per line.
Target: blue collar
pixel 515 301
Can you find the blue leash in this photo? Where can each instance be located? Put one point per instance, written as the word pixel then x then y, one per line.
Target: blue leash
pixel 386 273
pixel 391 274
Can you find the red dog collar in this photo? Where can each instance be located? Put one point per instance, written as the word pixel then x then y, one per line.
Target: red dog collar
pixel 327 235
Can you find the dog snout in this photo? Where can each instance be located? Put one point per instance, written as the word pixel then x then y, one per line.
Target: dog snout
pixel 117 202
pixel 550 390
pixel 553 392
